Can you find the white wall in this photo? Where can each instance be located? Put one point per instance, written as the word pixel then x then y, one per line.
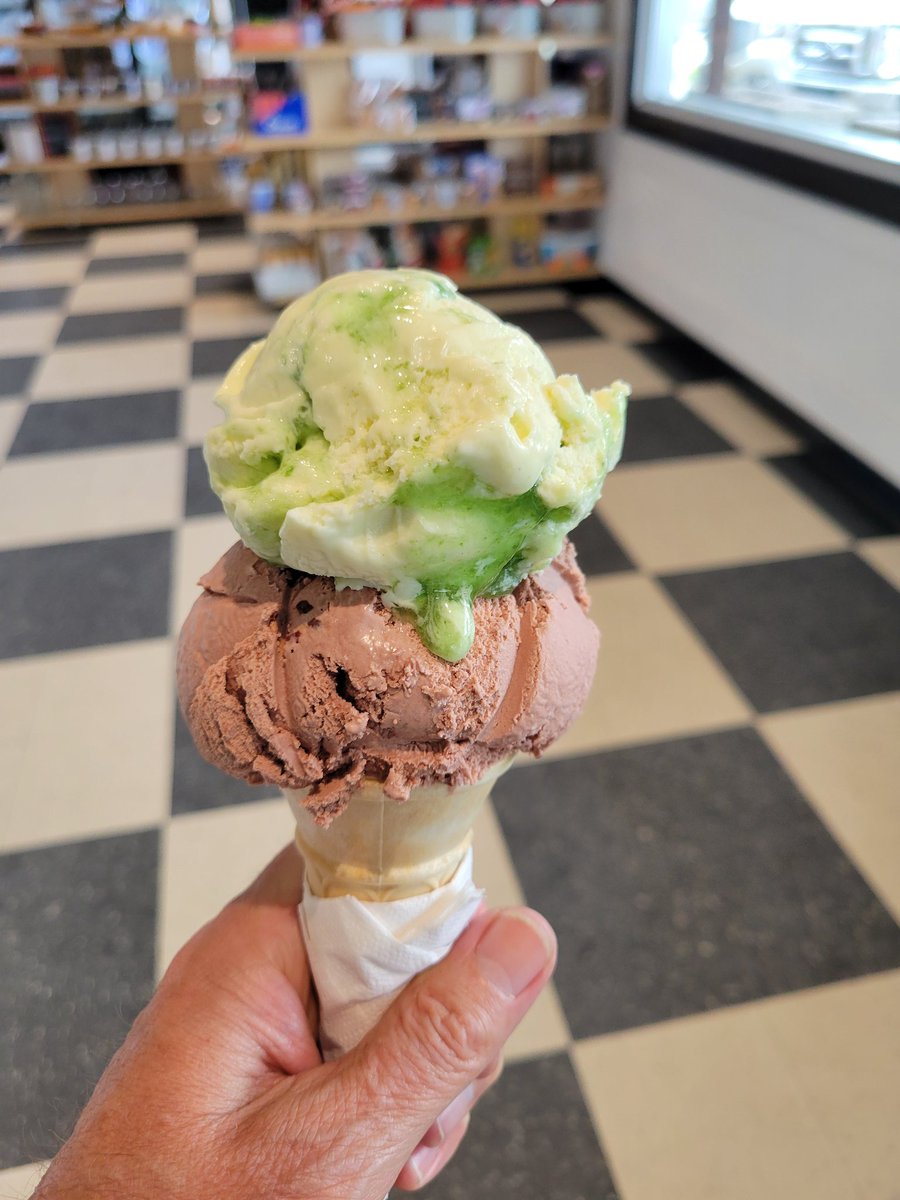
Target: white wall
pixel 800 295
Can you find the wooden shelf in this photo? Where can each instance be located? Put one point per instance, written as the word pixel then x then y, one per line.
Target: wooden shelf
pixel 514 276
pixel 428 131
pixel 66 162
pixel 503 206
pixel 173 210
pixel 59 39
pixel 508 277
pixel 117 103
pixel 547 44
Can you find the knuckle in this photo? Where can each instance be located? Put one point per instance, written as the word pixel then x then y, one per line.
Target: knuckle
pixel 457 1038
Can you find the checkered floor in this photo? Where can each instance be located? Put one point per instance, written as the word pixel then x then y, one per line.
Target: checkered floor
pixel 716 840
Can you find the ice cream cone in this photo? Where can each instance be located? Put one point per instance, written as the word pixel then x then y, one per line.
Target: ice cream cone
pixel 382 849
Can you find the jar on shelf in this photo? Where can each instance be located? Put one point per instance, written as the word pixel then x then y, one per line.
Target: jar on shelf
pixel 510 20
pixel 579 17
pixel 439 21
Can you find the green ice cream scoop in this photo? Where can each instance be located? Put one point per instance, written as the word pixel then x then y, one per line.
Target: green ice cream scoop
pixel 391 433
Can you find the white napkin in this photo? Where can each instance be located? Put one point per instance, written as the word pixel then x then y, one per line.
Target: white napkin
pixel 363 953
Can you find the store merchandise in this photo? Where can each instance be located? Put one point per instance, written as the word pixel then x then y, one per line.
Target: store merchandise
pixel 372 24
pixel 576 16
pixel 276 114
pixel 435 19
pixel 519 20
pixel 285 269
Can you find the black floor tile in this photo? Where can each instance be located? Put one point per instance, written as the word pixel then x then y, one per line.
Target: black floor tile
pixel 662 427
pixel 46 243
pixel 137 262
pixel 582 289
pixel 15 375
pixel 820 475
pixel 199 498
pixel 598 551
pixel 220 227
pixel 685 360
pixel 77 930
pixel 90 327
pixel 803 631
pixel 531 1138
pixel 60 425
pixel 84 593
pixel 686 876
pixel 196 785
pixel 235 281
pixel 26 299
pixel 215 357
pixel 552 324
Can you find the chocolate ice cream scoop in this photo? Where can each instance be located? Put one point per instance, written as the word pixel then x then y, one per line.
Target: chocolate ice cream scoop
pixel 285 680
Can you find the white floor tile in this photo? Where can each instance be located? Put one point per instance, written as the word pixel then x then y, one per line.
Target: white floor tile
pixel 91 493
pixel 208 858
pixel 598 363
pixel 11 414
pixel 617 319
pixel 130 290
pixel 199 543
pixel 845 758
pixel 85 743
pixel 155 239
pixel 793 1098
pixel 718 510
pixel 526 300
pixel 655 678
pixel 224 256
pixel 228 315
pixel 121 367
pixel 722 406
pixel 199 411
pixel 56 268
pixel 544 1030
pixel 884 555
pixel 18 1183
pixel 32 332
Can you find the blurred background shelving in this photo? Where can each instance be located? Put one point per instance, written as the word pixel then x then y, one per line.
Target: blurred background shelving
pixel 464 137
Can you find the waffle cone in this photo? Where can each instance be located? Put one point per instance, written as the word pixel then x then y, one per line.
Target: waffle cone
pixel 383 849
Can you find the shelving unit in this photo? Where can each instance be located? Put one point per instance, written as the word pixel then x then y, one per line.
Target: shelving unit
pixel 67 177
pixel 125 214
pixel 117 103
pixel 517 69
pixel 546 45
pixel 504 206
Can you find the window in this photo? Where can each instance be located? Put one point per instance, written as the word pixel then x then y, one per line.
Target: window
pixel 803 89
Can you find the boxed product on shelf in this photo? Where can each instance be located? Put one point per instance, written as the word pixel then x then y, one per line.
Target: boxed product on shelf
pixel 569 242
pixel 435 19
pixel 286 269
pixel 350 250
pixel 265 35
pixel 575 16
pixel 273 114
pixel 510 20
pixel 372 25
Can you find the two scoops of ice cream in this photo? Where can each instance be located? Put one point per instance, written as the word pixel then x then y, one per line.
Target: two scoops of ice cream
pixel 403 613
pixel 403 610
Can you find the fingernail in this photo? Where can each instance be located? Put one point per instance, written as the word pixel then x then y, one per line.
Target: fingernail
pixel 514 948
pixel 422 1161
pixel 454 1112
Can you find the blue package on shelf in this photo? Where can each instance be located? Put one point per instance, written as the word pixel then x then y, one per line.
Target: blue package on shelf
pixel 275 114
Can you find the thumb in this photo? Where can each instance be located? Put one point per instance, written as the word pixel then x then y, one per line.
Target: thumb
pixel 447 1027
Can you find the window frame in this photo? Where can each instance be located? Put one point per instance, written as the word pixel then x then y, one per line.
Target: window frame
pixel 774 156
